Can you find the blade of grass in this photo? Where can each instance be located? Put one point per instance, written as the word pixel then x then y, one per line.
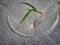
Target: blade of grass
pixel 25 16
pixel 29 10
pixel 35 11
pixel 38 12
pixel 29 5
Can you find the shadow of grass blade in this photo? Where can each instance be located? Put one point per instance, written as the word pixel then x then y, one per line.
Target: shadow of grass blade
pixel 29 5
pixel 25 16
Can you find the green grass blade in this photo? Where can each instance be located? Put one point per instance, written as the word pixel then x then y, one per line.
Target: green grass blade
pixel 25 16
pixel 38 12
pixel 29 10
pixel 35 11
pixel 29 5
